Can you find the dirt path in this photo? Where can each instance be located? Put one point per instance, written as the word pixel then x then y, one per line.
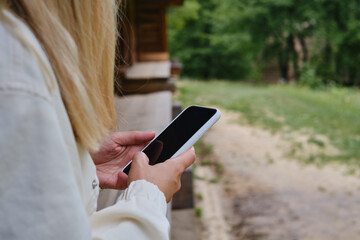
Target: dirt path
pixel 264 195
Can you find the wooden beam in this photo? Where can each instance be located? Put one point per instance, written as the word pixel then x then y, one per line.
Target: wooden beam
pixel 149 70
pixel 154 56
pixel 145 86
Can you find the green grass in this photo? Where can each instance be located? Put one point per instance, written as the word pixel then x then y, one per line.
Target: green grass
pixel 198 212
pixel 334 112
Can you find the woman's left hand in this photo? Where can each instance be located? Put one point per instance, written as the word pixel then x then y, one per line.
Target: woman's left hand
pixel 115 152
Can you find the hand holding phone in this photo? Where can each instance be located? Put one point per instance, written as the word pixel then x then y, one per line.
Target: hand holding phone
pixel 180 134
pixel 166 175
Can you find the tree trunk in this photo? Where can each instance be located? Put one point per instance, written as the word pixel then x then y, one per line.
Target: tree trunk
pixel 283 60
pixel 304 49
pixel 294 55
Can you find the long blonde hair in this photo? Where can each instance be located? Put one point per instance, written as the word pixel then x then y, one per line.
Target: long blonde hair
pixel 79 39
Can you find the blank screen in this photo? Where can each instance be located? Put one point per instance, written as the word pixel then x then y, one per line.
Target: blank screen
pixel 178 133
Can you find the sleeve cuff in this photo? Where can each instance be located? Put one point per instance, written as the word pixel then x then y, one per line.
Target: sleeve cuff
pixel 145 190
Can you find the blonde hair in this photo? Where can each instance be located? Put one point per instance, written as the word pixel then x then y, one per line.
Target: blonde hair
pixel 79 39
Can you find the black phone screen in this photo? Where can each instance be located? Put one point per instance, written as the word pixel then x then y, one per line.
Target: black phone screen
pixel 177 134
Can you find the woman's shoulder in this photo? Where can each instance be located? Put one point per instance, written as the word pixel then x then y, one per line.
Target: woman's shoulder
pixel 23 64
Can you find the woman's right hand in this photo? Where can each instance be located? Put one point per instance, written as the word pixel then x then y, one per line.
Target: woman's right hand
pixel 165 175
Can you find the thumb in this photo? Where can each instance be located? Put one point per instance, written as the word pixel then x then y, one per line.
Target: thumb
pixel 140 158
pixel 185 159
pixel 139 167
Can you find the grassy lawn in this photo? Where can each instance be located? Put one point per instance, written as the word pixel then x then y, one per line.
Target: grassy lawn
pixel 334 113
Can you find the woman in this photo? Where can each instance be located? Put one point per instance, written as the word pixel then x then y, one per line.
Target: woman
pixel 56 106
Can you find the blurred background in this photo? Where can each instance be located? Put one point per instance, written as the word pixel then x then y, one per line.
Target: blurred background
pixel 308 42
pixel 283 161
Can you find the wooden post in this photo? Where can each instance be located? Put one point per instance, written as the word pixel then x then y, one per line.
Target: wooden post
pixel 184 198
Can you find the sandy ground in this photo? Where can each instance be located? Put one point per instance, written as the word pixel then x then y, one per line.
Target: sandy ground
pixel 265 195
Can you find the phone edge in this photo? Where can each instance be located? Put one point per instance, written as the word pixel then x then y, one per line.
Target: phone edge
pixel 193 139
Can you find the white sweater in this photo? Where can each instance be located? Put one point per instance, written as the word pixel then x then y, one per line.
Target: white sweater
pixel 48 183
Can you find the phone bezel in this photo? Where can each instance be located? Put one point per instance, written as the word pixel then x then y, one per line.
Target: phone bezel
pixel 196 136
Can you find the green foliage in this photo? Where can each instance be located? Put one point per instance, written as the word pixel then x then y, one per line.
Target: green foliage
pixel 198 212
pixel 205 51
pixel 199 196
pixel 309 77
pixel 214 180
pixel 178 17
pixel 316 142
pixel 234 39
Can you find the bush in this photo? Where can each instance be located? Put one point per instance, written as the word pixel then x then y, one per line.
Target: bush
pixel 309 77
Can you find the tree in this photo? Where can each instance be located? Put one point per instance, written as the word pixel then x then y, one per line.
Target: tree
pixel 205 50
pixel 232 38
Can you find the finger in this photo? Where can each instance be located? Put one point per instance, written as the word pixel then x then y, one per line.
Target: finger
pixel 185 159
pixel 113 181
pixel 132 137
pixel 140 158
pixel 121 183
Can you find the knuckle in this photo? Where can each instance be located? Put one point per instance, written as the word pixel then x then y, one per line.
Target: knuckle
pixel 178 170
pixel 193 153
pixel 190 158
pixel 193 156
pixel 142 156
pixel 178 186
pixel 140 159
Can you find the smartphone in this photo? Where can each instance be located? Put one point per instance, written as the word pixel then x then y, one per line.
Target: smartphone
pixel 180 134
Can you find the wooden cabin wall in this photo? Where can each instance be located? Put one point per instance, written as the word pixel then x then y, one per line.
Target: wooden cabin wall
pixel 142 34
pixel 150 24
pixel 126 42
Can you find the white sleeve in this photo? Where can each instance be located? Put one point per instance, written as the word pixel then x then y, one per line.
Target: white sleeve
pixel 140 213
pixel 39 196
